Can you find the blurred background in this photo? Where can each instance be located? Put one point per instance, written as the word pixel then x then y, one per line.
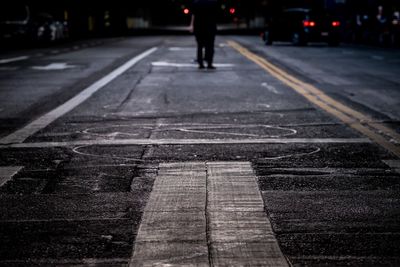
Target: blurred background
pixel 374 22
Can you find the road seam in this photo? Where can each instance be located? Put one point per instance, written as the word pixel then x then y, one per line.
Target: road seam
pixel 356 120
pixel 108 142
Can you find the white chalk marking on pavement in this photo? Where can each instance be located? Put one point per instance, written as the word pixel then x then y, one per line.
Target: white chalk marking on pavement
pixel 14 59
pixel 206 214
pixel 314 151
pixel 78 151
pixel 271 88
pixel 121 142
pixel 187 65
pixel 22 134
pixel 7 173
pixel 55 66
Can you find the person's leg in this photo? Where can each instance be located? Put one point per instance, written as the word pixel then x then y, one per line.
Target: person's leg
pixel 200 45
pixel 210 51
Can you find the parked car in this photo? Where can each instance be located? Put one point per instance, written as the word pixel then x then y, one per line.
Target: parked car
pixel 300 26
pixel 19 24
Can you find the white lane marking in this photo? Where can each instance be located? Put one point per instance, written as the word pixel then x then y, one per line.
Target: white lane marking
pixel 14 59
pixel 177 49
pixel 206 213
pixel 186 65
pixel 7 173
pixel 106 142
pixel 270 88
pixel 21 135
pixel 55 66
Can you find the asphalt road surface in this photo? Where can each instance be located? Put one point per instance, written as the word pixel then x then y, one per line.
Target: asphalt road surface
pixel 120 152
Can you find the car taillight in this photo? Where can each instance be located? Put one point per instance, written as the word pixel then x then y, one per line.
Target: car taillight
pixel 308 23
pixel 335 23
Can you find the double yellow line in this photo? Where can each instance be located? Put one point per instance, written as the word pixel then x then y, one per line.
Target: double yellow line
pixel 377 132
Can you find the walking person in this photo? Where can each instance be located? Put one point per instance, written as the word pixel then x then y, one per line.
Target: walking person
pixel 204 27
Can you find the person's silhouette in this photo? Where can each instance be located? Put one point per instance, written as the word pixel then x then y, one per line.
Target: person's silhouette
pixel 204 25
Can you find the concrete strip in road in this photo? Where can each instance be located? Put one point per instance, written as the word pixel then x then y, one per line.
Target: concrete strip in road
pixel 206 214
pixel 173 228
pixel 22 134
pixel 7 173
pixel 239 230
pixel 395 164
pixel 119 142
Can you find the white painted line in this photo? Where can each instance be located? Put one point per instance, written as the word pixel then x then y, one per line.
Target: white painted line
pixel 119 142
pixel 22 134
pixel 9 60
pixel 206 214
pixel 177 49
pixel 271 88
pixel 55 66
pixel 7 173
pixel 186 65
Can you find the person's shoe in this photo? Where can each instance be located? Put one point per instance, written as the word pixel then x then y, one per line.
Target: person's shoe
pixel 201 67
pixel 211 67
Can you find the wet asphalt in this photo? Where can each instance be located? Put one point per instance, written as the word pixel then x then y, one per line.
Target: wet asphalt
pixel 330 204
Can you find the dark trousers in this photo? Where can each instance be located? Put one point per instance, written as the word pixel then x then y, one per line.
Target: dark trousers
pixel 206 42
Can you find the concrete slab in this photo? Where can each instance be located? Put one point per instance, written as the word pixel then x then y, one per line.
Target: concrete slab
pixel 6 173
pixel 206 214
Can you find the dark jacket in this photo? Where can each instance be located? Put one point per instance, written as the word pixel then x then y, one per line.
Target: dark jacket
pixel 205 16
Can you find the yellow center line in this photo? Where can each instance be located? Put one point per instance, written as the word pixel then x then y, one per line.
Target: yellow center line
pixel 355 119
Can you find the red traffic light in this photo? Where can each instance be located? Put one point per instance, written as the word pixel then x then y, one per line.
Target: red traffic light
pixel 186 11
pixel 232 10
